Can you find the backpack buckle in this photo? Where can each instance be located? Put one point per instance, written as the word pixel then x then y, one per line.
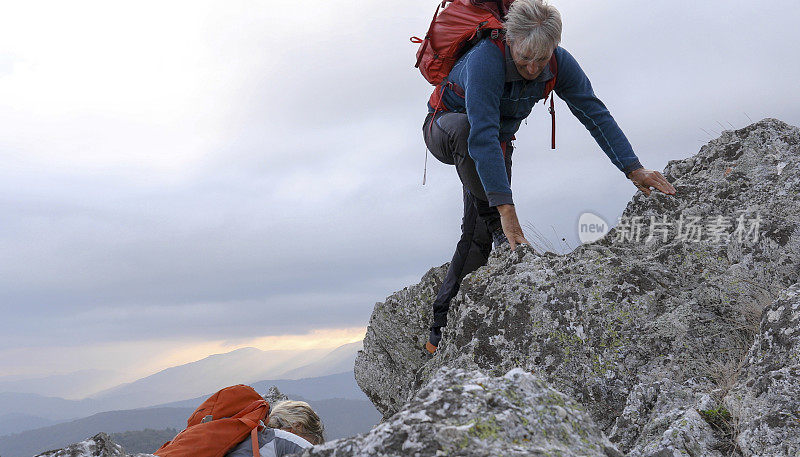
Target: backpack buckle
pixel 495 34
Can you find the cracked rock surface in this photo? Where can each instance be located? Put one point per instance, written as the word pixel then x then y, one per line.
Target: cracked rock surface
pixel 467 413
pixel 99 445
pixel 651 334
pixel 766 402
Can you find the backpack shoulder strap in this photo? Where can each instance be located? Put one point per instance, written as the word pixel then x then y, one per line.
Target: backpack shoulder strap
pixel 550 85
pixel 255 445
pixel 500 43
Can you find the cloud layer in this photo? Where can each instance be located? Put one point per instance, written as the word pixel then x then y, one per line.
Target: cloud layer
pixel 233 172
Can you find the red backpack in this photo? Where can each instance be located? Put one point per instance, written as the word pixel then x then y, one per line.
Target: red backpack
pixel 223 421
pixel 461 25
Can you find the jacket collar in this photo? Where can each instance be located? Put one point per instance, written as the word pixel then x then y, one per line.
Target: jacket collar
pixel 512 74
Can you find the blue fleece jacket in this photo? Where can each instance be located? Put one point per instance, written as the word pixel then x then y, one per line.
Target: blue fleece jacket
pixel 497 99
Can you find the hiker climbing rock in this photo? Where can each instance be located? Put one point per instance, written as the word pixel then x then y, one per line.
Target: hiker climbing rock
pixel 489 73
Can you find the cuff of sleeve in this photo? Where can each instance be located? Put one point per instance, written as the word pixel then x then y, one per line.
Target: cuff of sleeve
pixel 632 166
pixel 498 198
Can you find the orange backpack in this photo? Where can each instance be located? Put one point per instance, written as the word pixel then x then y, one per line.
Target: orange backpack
pixel 223 421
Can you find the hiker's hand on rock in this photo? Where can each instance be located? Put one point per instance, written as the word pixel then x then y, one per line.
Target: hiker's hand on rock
pixel 511 227
pixel 645 179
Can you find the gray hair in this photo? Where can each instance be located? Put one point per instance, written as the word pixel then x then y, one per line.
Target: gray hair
pixel 298 416
pixel 534 26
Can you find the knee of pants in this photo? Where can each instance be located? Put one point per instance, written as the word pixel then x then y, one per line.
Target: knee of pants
pixel 436 142
pixel 457 127
pixel 446 136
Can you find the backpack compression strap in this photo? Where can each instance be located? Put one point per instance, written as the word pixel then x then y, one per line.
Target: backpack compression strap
pixel 436 101
pixel 254 426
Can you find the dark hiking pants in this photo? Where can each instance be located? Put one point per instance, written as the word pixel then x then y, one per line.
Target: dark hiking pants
pixel 446 138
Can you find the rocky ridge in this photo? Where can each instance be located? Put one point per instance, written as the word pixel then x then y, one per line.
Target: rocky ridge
pixel 648 329
pixel 99 445
pixel 467 413
pixel 678 333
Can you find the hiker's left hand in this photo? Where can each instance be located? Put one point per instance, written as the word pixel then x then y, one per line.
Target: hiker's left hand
pixel 645 179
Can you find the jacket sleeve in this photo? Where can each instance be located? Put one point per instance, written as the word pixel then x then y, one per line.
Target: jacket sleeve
pixel 287 443
pixel 574 88
pixel 483 76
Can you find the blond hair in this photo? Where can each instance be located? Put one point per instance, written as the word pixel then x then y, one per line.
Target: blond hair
pixel 298 416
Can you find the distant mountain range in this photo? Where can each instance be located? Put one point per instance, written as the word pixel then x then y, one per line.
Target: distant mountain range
pixel 31 423
pixel 54 408
pixel 16 422
pixel 339 360
pixel 32 442
pixel 191 380
pixel 242 366
pixel 342 417
pixel 78 384
pixel 341 385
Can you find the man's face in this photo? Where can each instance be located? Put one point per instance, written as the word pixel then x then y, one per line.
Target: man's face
pixel 528 66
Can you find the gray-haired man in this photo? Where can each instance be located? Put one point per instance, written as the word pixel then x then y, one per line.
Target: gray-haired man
pixel 491 92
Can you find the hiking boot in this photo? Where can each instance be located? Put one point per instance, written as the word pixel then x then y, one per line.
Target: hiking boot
pixel 434 339
pixel 430 347
pixel 499 237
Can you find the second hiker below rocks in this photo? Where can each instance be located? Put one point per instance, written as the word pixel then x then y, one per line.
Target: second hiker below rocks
pixel 479 105
pixel 292 427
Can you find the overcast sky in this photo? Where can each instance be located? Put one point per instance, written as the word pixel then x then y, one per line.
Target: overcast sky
pixel 183 178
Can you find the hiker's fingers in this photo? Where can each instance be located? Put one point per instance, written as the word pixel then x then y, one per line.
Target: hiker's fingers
pixel 642 179
pixel 643 186
pixel 517 240
pixel 658 181
pixel 665 187
pixel 651 178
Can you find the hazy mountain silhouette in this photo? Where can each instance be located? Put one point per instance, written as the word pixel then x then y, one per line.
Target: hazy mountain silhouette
pixel 75 385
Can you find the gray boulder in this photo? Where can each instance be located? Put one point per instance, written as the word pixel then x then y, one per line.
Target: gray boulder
pixel 99 445
pixel 647 327
pixel 666 419
pixel 765 406
pixel 467 413
pixel 274 395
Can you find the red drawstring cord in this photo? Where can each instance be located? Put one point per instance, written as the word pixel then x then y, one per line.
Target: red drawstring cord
pixel 553 117
pixel 427 36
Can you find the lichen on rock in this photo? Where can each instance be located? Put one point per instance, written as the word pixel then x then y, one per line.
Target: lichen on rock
pixel 467 413
pixel 767 400
pixel 100 445
pixel 644 333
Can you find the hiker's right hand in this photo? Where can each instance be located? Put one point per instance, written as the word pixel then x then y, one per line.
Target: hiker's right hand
pixel 644 179
pixel 511 227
